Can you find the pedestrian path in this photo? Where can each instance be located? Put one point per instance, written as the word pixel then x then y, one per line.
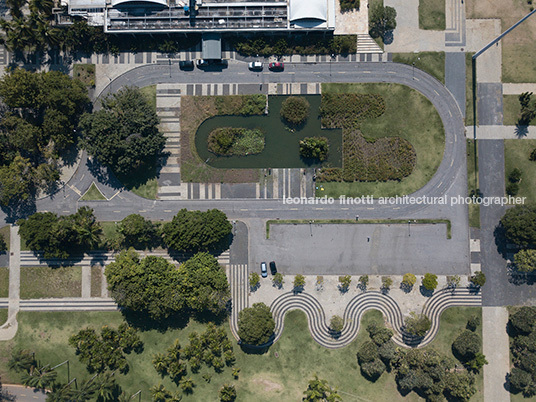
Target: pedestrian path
pixel 496 348
pixel 238 279
pixel 498 132
pixel 9 328
pixel 517 89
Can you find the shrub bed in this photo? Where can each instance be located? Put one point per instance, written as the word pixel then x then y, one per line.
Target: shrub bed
pixel 364 159
pixel 264 45
pixel 294 110
pixel 314 148
pixel 228 141
pixel 348 5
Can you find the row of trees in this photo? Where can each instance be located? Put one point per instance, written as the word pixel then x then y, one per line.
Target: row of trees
pixel 522 328
pixel 154 287
pixel 37 125
pixel 519 227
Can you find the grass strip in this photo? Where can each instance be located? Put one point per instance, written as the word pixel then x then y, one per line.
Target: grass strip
pixel 93 194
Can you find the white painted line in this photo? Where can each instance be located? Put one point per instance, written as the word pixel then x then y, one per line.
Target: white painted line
pixel 396 208
pixel 167 210
pixel 437 93
pixel 117 212
pixel 243 209
pixel 370 208
pixel 451 162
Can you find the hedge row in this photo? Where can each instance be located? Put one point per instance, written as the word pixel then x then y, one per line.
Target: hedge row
pixel 245 105
pixel 228 141
pixel 348 110
pixel 264 45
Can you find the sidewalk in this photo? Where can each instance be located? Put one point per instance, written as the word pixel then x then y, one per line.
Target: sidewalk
pixel 496 349
pixel 9 329
pixel 502 132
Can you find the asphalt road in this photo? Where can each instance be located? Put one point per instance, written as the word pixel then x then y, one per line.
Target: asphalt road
pixel 450 178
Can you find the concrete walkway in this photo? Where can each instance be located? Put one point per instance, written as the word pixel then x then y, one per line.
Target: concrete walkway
pixel 517 89
pixel 496 350
pixel 502 132
pixel 9 329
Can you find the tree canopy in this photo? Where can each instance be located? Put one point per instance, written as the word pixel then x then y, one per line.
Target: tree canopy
pixel 196 230
pixel 256 324
pixel 319 390
pixel 138 232
pixel 525 260
pixel 37 125
pixel 382 20
pixel 61 236
pixel 156 287
pixel 519 224
pixel 124 133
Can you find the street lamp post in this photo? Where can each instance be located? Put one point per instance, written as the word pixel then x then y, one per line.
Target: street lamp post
pixel 409 228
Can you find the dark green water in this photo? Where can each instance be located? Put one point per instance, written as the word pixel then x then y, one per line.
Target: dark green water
pixel 281 148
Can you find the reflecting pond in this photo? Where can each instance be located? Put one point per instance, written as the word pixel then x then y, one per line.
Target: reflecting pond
pixel 281 148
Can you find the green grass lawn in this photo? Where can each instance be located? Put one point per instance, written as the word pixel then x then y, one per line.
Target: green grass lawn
pixel 432 15
pixel 96 281
pixel 512 110
pixel 92 194
pixel 5 231
pixel 516 154
pixel 474 209
pixel 42 282
pixel 431 62
pixel 468 89
pixel 146 189
pixel 408 115
pixel 280 374
pixel 150 94
pixel 4 282
pixel 3 315
pixel 85 73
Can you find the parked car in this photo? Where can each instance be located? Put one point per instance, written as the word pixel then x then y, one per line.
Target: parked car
pixel 202 63
pixel 264 271
pixel 186 65
pixel 255 65
pixel 273 268
pixel 276 66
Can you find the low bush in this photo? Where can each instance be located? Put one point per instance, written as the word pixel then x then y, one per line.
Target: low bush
pixel 348 5
pixel 417 325
pixel 245 105
pixel 512 189
pixel 314 148
pixel 294 110
pixel 228 141
pixel 514 176
pixel 429 281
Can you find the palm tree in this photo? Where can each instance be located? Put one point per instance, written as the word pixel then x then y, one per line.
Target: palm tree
pixel 160 363
pixel 39 377
pixel 15 7
pixel 187 385
pixel 85 392
pixel 42 7
pixel 60 393
pixel 106 388
pixel 49 36
pixel 227 393
pixel 21 360
pixel 160 393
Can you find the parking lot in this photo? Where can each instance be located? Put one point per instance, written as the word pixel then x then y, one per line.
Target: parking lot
pixel 355 249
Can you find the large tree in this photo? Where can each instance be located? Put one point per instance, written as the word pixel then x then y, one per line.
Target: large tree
pixel 138 232
pixel 196 230
pixel 382 20
pixel 151 285
pixel 525 260
pixel 60 237
pixel 519 224
pixel 256 324
pixel 124 133
pixel 205 284
pixel 319 390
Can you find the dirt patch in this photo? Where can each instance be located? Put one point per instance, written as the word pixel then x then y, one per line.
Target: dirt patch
pixel 267 385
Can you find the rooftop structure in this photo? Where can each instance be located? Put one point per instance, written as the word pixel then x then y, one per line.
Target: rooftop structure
pixel 155 16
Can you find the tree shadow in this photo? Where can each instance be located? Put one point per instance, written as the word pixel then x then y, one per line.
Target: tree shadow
pixel 518 278
pixel 521 129
pixel 388 37
pixel 499 234
pixel 20 210
pixel 426 292
pixel 143 322
pixel 406 288
pixel 103 174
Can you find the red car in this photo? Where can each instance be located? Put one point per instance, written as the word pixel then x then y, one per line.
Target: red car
pixel 276 66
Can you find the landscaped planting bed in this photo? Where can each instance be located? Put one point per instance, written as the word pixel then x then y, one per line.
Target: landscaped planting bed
pixel 227 141
pixel 364 159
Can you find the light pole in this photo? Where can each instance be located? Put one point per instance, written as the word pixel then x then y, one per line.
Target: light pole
pixel 473 71
pixel 311 228
pixel 409 228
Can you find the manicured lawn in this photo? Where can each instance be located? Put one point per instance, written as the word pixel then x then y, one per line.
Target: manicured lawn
pixel 85 73
pixel 431 62
pixel 42 282
pixel 4 282
pixel 96 281
pixel 150 94
pixel 408 115
pixel 92 194
pixel 432 14
pixel 512 110
pixel 3 315
pixel 474 209
pixel 516 154
pixel 147 189
pixel 280 374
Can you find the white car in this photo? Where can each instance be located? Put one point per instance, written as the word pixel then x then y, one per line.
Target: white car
pixel 255 65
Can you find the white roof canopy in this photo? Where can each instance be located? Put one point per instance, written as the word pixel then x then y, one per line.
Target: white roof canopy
pixel 308 10
pixel 123 2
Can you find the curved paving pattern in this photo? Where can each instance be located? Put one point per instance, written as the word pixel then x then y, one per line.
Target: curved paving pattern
pixel 353 312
